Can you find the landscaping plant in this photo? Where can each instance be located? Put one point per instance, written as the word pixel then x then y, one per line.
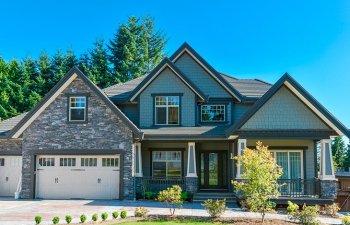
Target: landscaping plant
pixel 55 220
pixel 148 195
pixel 141 212
pixel 94 217
pixel 115 214
pixel 68 219
pixel 172 197
pixel 184 195
pixel 332 209
pixel 345 220
pixel 259 179
pixel 123 214
pixel 215 208
pixel 38 219
pixel 83 218
pixel 104 216
pixel 306 216
pixel 292 207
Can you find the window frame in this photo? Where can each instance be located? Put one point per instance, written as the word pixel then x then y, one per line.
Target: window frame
pixel 2 162
pixel 168 150
pixel 69 97
pixel 302 169
pixel 167 106
pixel 213 104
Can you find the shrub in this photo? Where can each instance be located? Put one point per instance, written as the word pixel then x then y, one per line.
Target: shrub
pixel 115 215
pixel 104 216
pixel 68 219
pixel 184 195
pixel 148 195
pixel 306 216
pixel 172 197
pixel 345 220
pixel 292 207
pixel 94 217
pixel 215 208
pixel 38 219
pixel 141 212
pixel 83 218
pixel 123 214
pixel 55 220
pixel 332 209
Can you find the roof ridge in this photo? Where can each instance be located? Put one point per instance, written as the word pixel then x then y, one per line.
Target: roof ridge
pixel 257 79
pixel 121 83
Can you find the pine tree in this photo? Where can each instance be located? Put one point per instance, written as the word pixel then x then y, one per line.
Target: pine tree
pixel 347 158
pixel 45 70
pixel 58 64
pixel 338 151
pixel 70 60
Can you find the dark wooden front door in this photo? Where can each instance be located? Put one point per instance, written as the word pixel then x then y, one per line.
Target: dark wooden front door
pixel 213 170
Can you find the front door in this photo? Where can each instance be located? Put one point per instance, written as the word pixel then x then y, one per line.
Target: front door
pixel 213 170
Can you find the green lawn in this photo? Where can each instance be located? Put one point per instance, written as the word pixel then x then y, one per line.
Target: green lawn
pixel 170 223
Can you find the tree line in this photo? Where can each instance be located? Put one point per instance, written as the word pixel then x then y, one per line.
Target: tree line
pixel 341 153
pixel 135 49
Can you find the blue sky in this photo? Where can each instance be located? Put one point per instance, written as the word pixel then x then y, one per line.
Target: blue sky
pixel 247 39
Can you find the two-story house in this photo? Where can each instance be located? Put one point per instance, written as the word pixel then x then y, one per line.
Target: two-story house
pixel 180 124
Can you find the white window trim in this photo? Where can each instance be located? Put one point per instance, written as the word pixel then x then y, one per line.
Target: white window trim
pixel 214 120
pixel 301 160
pixel 79 107
pixel 166 161
pixel 167 110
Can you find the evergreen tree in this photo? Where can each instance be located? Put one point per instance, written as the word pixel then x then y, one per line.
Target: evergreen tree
pixel 58 63
pixel 45 70
pixel 70 60
pixel 347 158
pixel 338 151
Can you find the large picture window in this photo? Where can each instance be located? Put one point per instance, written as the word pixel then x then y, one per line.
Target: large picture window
pixel 166 164
pixel 167 110
pixel 291 162
pixel 77 108
pixel 213 113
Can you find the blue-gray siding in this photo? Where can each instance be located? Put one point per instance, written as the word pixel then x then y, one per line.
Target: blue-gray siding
pixel 239 110
pixel 131 111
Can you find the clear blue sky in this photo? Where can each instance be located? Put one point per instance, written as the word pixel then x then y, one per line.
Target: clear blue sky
pixel 247 39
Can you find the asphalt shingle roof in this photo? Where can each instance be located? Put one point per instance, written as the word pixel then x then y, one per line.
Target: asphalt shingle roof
pixel 8 124
pixel 122 90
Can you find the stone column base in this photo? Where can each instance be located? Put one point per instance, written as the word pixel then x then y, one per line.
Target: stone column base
pixel 328 189
pixel 191 184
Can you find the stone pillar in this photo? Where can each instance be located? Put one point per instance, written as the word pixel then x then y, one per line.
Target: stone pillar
pixel 328 189
pixel 241 145
pixel 328 185
pixel 191 179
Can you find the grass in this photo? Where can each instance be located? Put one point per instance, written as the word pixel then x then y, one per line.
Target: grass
pixel 167 222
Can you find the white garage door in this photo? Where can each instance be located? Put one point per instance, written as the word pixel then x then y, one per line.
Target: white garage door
pixel 70 177
pixel 10 174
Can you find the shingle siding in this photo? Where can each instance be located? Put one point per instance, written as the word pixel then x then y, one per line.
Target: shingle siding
pixel 284 111
pixel 239 110
pixel 132 112
pixel 167 82
pixel 200 77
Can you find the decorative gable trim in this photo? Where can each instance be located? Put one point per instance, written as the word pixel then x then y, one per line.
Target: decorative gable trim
pixel 166 63
pixel 304 96
pixel 74 73
pixel 186 48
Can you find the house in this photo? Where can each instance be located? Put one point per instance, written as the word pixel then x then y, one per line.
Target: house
pixel 180 124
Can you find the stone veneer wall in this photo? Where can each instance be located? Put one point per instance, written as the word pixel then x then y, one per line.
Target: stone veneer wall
pixel 328 189
pixel 104 131
pixel 11 146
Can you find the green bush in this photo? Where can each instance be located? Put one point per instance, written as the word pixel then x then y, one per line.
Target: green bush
pixel 332 209
pixel 172 197
pixel 292 207
pixel 115 215
pixel 94 217
pixel 149 195
pixel 55 220
pixel 123 214
pixel 38 219
pixel 184 195
pixel 345 220
pixel 306 216
pixel 104 216
pixel 83 218
pixel 141 212
pixel 68 219
pixel 215 208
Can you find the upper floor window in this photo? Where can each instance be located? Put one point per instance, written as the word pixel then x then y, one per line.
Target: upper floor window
pixel 77 108
pixel 2 162
pixel 167 110
pixel 213 113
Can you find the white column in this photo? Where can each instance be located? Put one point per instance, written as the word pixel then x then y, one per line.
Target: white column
pixel 326 165
pixel 191 160
pixel 241 144
pixel 138 160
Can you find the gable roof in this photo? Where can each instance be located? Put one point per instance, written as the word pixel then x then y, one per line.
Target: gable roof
pixel 9 124
pixel 303 95
pixel 165 63
pixel 55 91
pixel 185 47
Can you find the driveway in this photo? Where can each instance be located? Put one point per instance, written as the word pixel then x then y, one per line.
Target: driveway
pixel 22 212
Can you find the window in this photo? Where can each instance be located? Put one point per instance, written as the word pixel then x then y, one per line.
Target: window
pixel 77 108
pixel 67 161
pixel 167 110
pixel 213 113
pixel 291 162
pixel 89 162
pixel 2 162
pixel 47 161
pixel 110 162
pixel 166 163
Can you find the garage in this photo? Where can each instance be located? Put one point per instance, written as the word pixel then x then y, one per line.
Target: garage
pixel 77 177
pixel 10 174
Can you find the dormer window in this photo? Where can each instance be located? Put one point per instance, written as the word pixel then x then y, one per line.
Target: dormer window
pixel 213 113
pixel 77 111
pixel 167 110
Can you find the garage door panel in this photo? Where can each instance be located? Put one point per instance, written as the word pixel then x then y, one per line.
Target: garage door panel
pixel 10 174
pixel 87 178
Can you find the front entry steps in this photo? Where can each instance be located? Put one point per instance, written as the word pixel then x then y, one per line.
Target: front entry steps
pixel 202 196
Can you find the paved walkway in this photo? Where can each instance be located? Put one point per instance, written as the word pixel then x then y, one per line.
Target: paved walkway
pixel 22 212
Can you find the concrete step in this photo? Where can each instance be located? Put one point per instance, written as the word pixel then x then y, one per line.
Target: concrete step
pixel 202 196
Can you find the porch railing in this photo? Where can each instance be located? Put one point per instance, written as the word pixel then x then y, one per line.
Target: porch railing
pixel 157 184
pixel 299 188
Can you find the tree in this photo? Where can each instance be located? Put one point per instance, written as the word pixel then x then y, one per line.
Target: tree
pixel 260 176
pixel 338 151
pixel 45 69
pixel 347 158
pixel 171 196
pixel 136 48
